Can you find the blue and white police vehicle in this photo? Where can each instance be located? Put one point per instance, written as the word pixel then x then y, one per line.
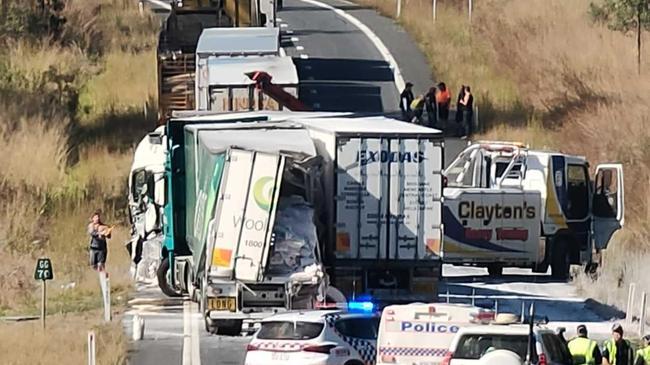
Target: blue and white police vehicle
pixel 422 333
pixel 317 337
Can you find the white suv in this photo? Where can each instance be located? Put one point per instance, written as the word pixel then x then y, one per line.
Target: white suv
pixel 320 337
pixel 472 343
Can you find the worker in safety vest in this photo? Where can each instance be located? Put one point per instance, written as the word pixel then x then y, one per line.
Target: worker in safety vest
pixel 643 355
pixel 618 351
pixel 583 346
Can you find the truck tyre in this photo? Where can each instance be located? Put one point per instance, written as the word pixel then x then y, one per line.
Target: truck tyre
pixel 163 282
pixel 495 270
pixel 560 260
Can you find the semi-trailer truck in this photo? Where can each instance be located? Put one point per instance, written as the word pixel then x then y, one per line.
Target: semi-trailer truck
pixel 365 192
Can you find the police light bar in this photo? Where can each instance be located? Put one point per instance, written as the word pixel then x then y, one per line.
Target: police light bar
pixel 354 306
pixel 361 306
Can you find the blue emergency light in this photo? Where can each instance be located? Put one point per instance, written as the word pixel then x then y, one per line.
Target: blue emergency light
pixel 361 306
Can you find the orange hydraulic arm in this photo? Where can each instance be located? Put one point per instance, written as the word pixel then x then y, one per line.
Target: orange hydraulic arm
pixel 275 92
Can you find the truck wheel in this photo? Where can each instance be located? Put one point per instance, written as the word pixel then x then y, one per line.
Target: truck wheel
pixel 163 279
pixel 495 270
pixel 560 260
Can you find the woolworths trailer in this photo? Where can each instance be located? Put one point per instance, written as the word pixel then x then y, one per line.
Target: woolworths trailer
pixel 240 236
pixel 382 182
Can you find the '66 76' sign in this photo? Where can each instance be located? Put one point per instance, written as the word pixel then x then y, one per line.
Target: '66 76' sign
pixel 43 270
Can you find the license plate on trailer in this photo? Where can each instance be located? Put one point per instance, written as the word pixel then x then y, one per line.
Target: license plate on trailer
pixel 280 356
pixel 222 304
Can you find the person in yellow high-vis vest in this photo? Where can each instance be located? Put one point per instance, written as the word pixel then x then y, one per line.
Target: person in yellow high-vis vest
pixel 618 351
pixel 583 346
pixel 643 355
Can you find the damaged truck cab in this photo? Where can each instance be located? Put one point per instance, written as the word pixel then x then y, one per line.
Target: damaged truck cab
pixel 239 230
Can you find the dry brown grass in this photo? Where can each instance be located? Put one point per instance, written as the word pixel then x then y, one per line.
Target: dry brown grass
pixel 64 341
pixel 61 159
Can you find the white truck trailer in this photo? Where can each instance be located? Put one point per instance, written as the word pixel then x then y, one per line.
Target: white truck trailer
pixel 509 206
pixel 224 57
pixel 382 218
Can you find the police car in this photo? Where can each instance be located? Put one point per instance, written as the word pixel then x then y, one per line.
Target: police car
pixel 472 344
pixel 421 334
pixel 323 337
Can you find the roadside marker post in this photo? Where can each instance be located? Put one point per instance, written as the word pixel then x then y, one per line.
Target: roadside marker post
pixel 43 272
pixel 630 303
pixel 92 356
pixel 105 285
pixel 434 6
pixel 644 298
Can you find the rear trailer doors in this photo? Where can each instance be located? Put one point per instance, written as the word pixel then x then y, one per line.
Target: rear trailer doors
pixel 389 198
pixel 608 205
pixel 245 214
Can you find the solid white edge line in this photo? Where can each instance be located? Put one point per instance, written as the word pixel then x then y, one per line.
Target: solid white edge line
pixel 383 50
pixel 196 340
pixel 187 337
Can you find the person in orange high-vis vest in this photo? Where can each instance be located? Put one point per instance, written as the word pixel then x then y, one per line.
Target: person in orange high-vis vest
pixel 443 99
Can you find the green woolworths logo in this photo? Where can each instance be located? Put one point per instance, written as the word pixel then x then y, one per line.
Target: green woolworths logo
pixel 263 192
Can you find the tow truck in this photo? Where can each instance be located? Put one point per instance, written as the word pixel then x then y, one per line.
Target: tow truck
pixel 507 205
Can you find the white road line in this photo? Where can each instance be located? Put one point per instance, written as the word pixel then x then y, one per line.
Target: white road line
pixel 278 19
pixel 300 48
pixel 388 57
pixel 187 337
pixel 313 91
pixel 196 340
pixel 283 25
pixel 304 56
pixel 294 39
pixel 288 31
pixel 191 339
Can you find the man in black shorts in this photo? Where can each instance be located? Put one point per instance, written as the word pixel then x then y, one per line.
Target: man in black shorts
pixel 99 233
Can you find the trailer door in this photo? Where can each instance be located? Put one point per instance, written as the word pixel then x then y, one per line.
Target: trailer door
pixel 608 206
pixel 415 168
pixel 361 198
pixel 262 193
pixel 230 205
